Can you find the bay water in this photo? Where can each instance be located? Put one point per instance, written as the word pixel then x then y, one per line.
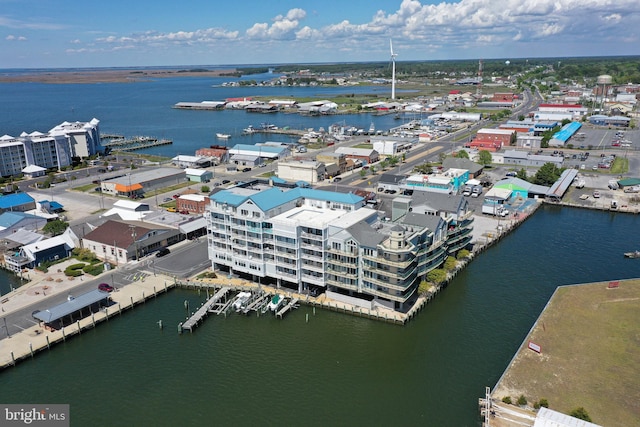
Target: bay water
pixel 334 370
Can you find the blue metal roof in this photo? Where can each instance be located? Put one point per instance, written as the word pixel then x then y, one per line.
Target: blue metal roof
pixel 567 131
pixel 8 219
pixel 17 199
pixel 274 196
pixel 53 204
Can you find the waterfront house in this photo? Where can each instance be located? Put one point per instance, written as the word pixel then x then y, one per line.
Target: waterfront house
pixel 34 254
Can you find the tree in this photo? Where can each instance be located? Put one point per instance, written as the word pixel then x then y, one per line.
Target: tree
pixel 423 287
pixel 363 173
pixel 522 400
pixel 437 276
pixel 463 253
pixel 547 174
pixel 522 174
pixel 204 189
pixel 462 154
pixel 544 403
pixel 450 263
pixel 507 400
pixel 55 227
pixel 485 158
pixel 581 414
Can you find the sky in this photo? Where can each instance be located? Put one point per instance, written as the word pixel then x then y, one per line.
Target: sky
pixel 118 33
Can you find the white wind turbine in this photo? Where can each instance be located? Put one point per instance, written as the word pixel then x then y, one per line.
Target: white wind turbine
pixel 393 70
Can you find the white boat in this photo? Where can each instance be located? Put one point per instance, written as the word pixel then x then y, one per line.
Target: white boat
pixel 241 300
pixel 276 302
pixel 248 130
pixel 223 135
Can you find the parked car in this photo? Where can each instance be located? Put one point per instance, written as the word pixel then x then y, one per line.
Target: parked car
pixel 105 287
pixel 225 181
pixel 596 194
pixel 246 170
pixel 337 179
pixel 162 252
pixel 167 199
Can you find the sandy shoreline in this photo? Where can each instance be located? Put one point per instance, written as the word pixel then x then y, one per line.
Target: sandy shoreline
pixel 107 76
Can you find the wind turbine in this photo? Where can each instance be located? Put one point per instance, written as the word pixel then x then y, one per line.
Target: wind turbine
pixel 393 70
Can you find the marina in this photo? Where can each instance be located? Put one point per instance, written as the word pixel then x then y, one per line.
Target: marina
pixel 134 143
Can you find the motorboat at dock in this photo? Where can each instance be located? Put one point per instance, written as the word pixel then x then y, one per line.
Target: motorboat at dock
pixel 276 302
pixel 634 254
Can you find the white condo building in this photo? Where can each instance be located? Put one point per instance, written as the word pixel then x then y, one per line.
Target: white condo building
pixel 321 241
pixel 55 149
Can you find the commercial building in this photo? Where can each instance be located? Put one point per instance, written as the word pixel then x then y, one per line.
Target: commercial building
pixel 302 170
pixel 121 241
pixel 134 185
pixel 321 241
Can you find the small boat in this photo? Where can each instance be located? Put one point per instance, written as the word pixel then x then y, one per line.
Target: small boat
pixel 241 300
pixel 223 135
pixel 634 254
pixel 248 130
pixel 276 302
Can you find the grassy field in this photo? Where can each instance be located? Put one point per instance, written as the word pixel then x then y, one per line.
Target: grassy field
pixel 590 336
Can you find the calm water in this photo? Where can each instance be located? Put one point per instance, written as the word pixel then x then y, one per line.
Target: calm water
pixel 145 108
pixel 336 369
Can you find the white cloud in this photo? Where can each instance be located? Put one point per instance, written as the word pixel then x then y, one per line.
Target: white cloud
pixel 12 38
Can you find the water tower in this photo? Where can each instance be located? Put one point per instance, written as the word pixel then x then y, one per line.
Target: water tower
pixel 603 82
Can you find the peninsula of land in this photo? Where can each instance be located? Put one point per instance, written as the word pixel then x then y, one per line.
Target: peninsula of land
pixel 119 75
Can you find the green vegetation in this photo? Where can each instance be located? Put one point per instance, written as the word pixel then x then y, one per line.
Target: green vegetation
pixel 463 253
pixel 450 263
pixel 55 227
pixel 620 165
pixel 522 401
pixel 74 270
pixel 507 400
pixel 584 366
pixel 205 189
pixel 581 414
pixel 484 157
pixel 462 154
pixel 423 287
pixel 547 174
pixel 207 275
pixel 437 276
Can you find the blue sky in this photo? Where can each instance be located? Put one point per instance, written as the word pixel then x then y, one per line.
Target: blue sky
pixel 112 33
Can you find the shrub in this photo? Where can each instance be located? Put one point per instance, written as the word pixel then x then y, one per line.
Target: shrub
pixel 463 253
pixel 507 400
pixel 93 269
pixel 450 263
pixel 522 400
pixel 581 414
pixel 543 403
pixel 74 270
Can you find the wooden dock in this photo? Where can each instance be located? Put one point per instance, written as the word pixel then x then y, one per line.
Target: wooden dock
pixel 292 304
pixel 193 321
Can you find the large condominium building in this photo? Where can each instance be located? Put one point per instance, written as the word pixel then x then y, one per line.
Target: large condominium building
pixel 55 149
pixel 312 240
